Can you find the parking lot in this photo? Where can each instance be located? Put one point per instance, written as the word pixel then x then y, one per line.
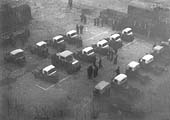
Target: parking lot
pixel 51 18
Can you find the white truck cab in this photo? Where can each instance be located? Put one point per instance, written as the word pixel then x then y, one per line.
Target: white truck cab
pixel 103 44
pixel 158 49
pixel 102 87
pixel 133 65
pixel 41 44
pixel 146 59
pixel 120 79
pixel 72 34
pixel 49 70
pixel 58 39
pixel 88 51
pixel 127 31
pixel 116 37
pixel 17 51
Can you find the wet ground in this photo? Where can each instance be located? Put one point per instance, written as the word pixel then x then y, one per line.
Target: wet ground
pixel 52 18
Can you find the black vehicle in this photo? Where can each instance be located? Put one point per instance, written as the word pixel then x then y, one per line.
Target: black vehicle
pixel 87 54
pixel 115 41
pixel 73 38
pixel 102 47
pixel 16 56
pixel 57 43
pixel 127 35
pixel 48 73
pixel 66 60
pixel 40 49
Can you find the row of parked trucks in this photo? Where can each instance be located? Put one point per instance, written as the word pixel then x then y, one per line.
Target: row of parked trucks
pixel 132 70
pixel 64 58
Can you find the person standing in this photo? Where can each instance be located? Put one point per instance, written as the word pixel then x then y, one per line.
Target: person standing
pixel 111 55
pixel 100 63
pixel 82 17
pixel 117 70
pixel 95 73
pixel 102 22
pixel 77 28
pixel 70 3
pixel 115 59
pixel 95 21
pixel 90 71
pixel 81 29
pixel 85 19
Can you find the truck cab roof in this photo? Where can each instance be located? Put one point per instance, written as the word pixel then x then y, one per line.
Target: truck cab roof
pixel 116 37
pixel 58 38
pixel 14 52
pixel 101 85
pixel 71 32
pixel 48 68
pixel 65 53
pixel 148 58
pixel 41 43
pixel 120 78
pixel 133 64
pixel 88 50
pixel 128 29
pixel 102 43
pixel 158 48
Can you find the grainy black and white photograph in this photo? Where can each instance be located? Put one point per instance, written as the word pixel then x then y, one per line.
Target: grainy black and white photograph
pixel 84 59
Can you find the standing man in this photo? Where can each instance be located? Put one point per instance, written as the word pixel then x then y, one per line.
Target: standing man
pixel 117 70
pixel 82 17
pixel 115 60
pixel 81 29
pixel 77 28
pixel 102 22
pixel 95 21
pixel 90 72
pixel 100 63
pixel 95 73
pixel 85 19
pixel 111 55
pixel 70 3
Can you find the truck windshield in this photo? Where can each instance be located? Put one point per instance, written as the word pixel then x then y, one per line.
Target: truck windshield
pixel 73 34
pixel 118 37
pixel 69 58
pixel 51 71
pixel 60 39
pixel 104 44
pixel 129 31
pixel 90 51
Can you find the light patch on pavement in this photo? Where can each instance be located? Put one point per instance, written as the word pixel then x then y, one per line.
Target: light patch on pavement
pixel 106 32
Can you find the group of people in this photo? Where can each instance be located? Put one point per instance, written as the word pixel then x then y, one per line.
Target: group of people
pixel 83 18
pixel 92 70
pixel 98 21
pixel 79 29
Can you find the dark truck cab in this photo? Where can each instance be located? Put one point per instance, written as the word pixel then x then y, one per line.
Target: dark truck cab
pixel 102 47
pixel 73 38
pixel 87 54
pixel 66 60
pixel 57 42
pixel 40 49
pixel 127 35
pixel 48 73
pixel 16 56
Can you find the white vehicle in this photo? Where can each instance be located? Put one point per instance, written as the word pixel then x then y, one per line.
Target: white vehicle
pixel 102 87
pixel 133 65
pixel 158 49
pixel 58 39
pixel 103 44
pixel 120 79
pixel 88 51
pixel 127 34
pixel 148 58
pixel 115 37
pixel 41 44
pixel 72 34
pixel 49 70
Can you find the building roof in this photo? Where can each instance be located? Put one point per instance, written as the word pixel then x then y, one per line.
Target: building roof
pixel 66 53
pixel 133 64
pixel 102 42
pixel 87 49
pixel 57 37
pixel 48 68
pixel 158 47
pixel 71 32
pixel 120 77
pixel 147 57
pixel 14 52
pixel 41 43
pixel 101 85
